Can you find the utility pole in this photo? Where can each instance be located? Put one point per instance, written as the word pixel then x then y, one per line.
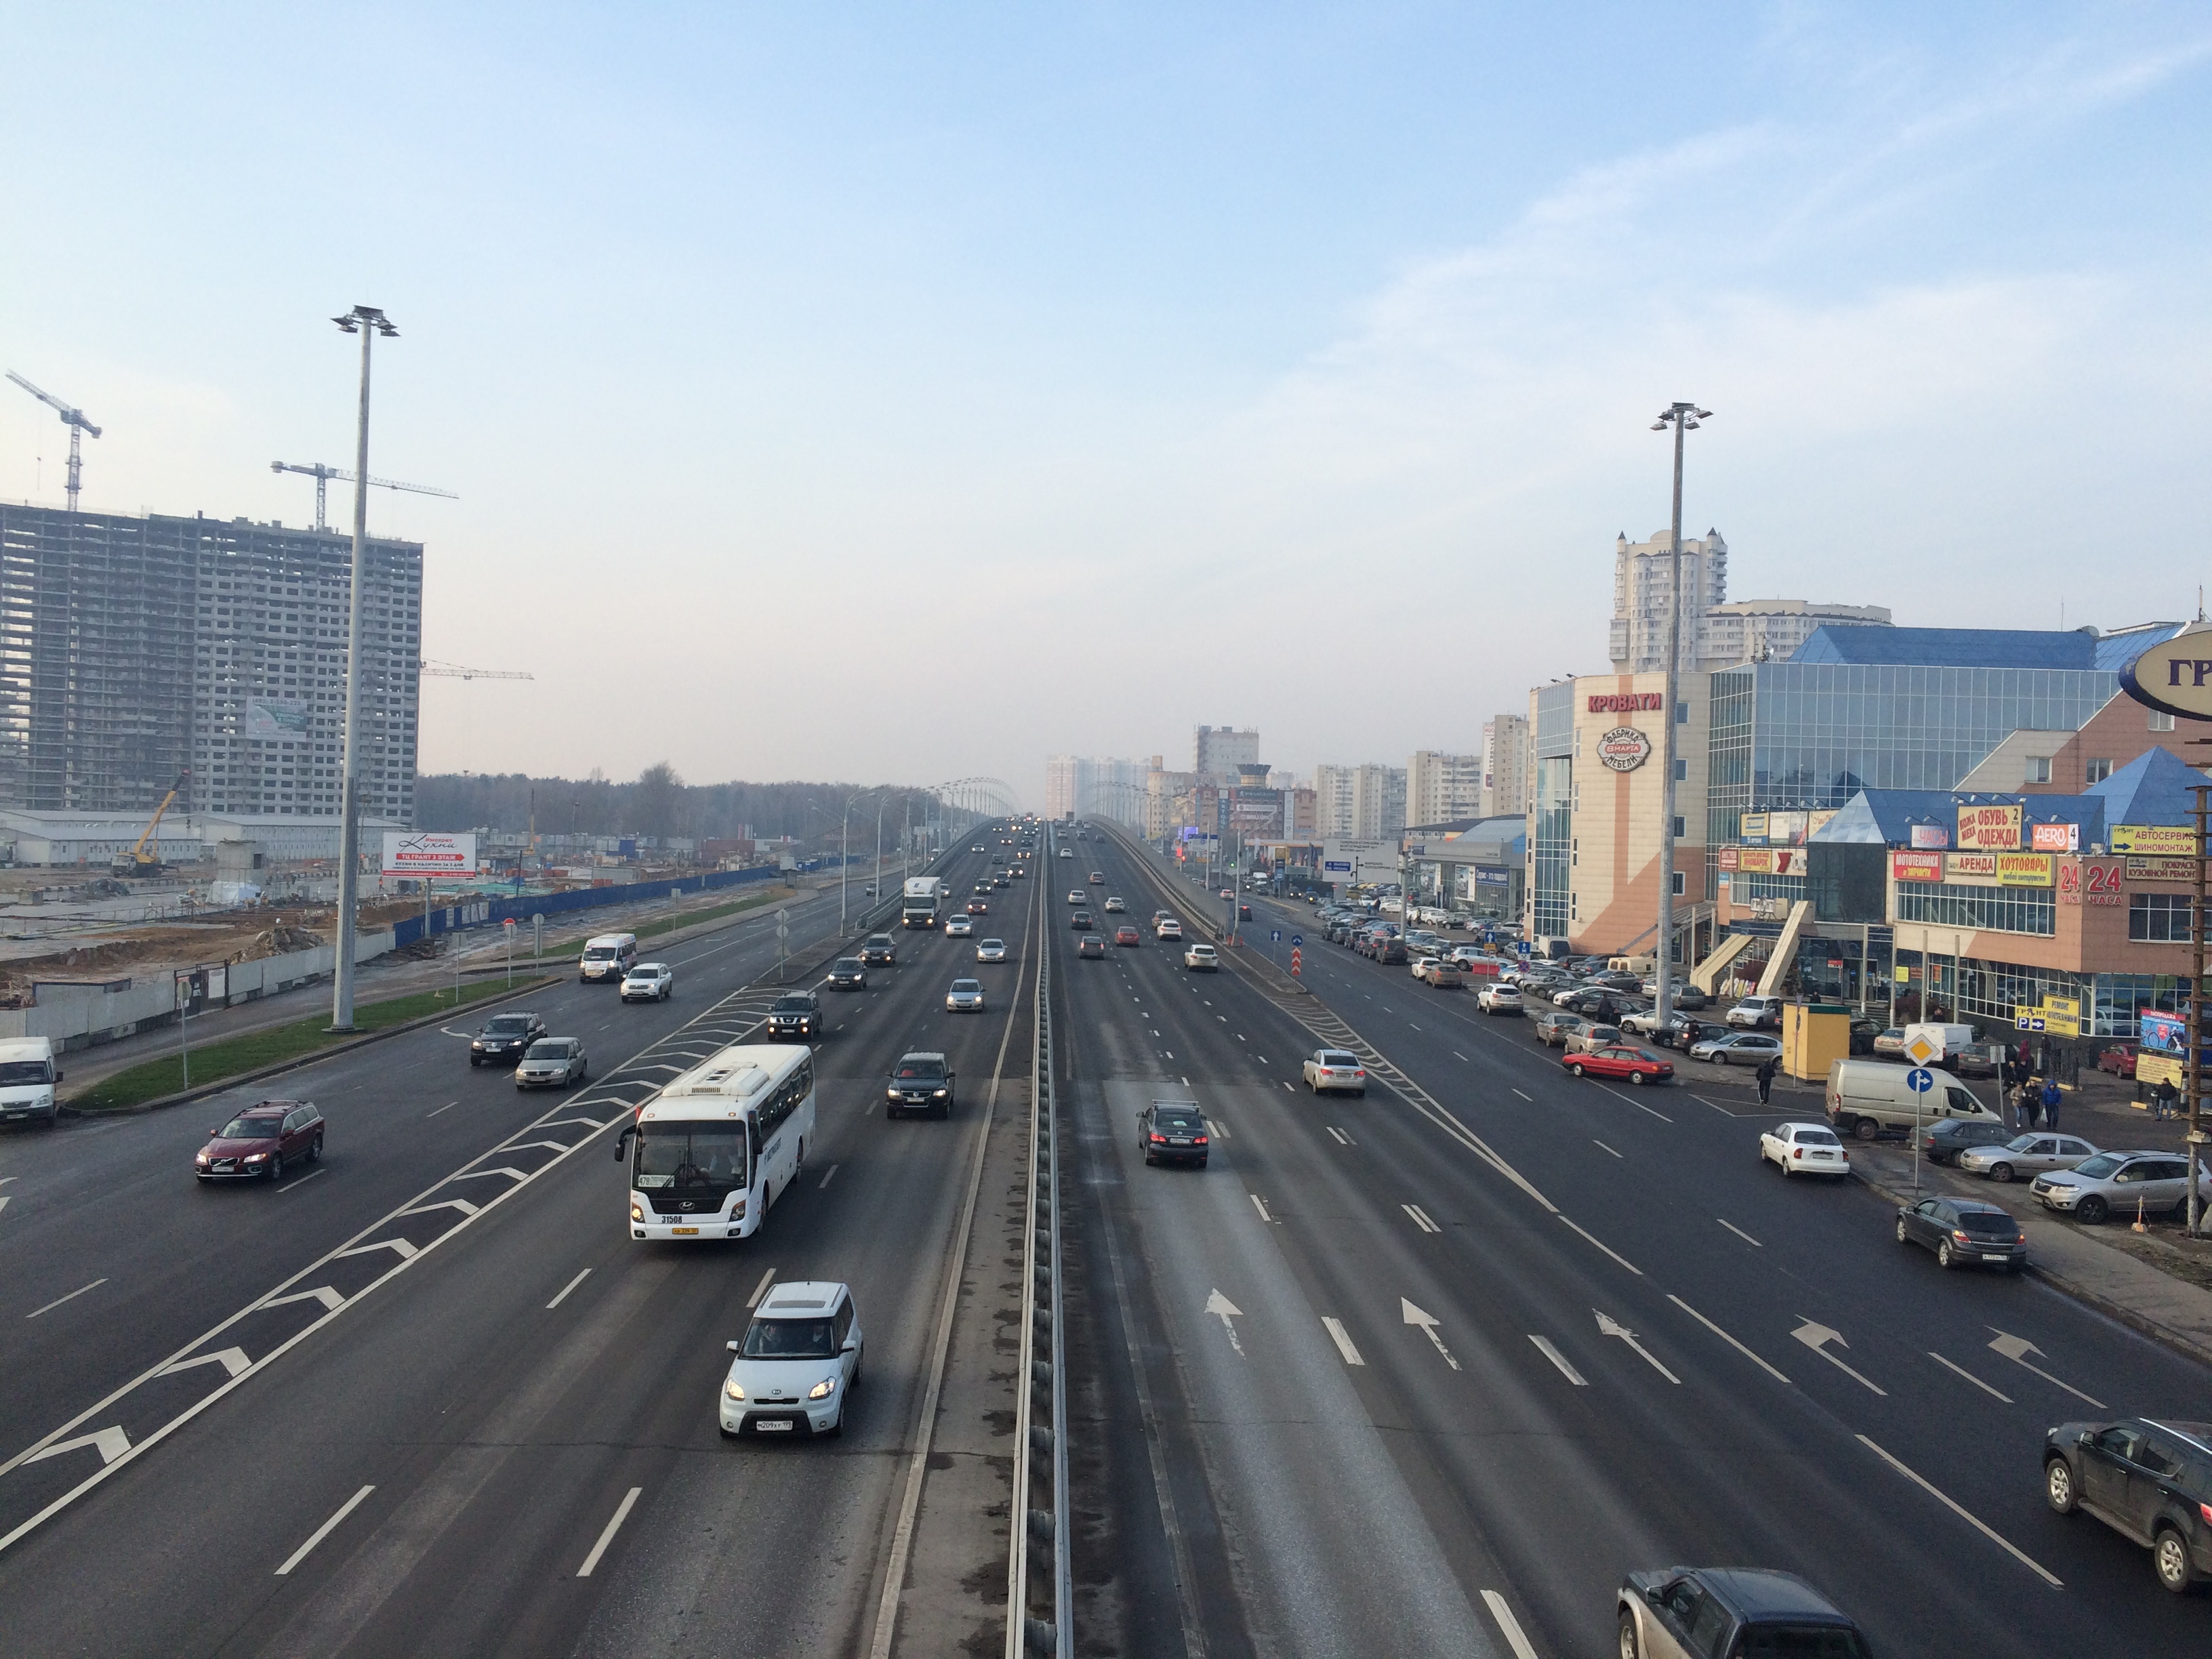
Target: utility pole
pixel 2192 1071
pixel 1683 418
pixel 369 322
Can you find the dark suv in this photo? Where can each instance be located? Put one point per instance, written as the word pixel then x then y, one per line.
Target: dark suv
pixel 879 951
pixel 796 1014
pixel 1732 1610
pixel 2149 1481
pixel 505 1039
pixel 919 1083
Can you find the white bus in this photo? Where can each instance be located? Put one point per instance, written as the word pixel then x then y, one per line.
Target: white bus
pixel 711 1151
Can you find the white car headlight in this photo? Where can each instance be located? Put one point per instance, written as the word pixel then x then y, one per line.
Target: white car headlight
pixel 734 1389
pixel 823 1389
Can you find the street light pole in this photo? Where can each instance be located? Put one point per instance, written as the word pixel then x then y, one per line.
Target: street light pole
pixel 1683 418
pixel 369 322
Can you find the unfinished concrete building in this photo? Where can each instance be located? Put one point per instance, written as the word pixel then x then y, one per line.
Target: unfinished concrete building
pixel 132 649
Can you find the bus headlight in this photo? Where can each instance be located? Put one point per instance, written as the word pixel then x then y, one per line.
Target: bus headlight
pixel 823 1389
pixel 734 1388
pixel 636 1210
pixel 737 1208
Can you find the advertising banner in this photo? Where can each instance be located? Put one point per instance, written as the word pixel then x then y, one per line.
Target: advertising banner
pixel 420 855
pixel 2161 869
pixel 1815 823
pixel 2055 837
pixel 1973 869
pixel 2061 1016
pixel 2175 677
pixel 1789 861
pixel 1915 866
pixel 1989 829
pixel 1756 860
pixel 1754 829
pixel 268 717
pixel 1785 829
pixel 2153 840
pixel 1730 857
pixel 1931 835
pixel 2027 870
pixel 1623 749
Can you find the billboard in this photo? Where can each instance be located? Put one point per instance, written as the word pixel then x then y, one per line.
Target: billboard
pixel 1754 828
pixel 1989 829
pixel 271 717
pixel 2175 677
pixel 1915 866
pixel 1347 861
pixel 2154 840
pixel 429 855
pixel 2027 870
pixel 2055 837
pixel 1931 835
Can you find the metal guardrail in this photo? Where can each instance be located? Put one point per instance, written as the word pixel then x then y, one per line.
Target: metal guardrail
pixel 1038 1571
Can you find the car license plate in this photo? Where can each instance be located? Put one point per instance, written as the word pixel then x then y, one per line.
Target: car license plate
pixel 1996 1258
pixel 776 1426
pixel 1178 1140
pixel 683 1229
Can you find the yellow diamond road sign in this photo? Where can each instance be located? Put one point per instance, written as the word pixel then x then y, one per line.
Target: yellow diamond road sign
pixel 1922 1049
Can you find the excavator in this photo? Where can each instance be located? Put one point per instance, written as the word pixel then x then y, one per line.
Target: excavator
pixel 138 861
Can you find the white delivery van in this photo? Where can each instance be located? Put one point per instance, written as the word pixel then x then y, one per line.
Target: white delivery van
pixel 608 957
pixel 27 1080
pixel 1950 1040
pixel 1870 1098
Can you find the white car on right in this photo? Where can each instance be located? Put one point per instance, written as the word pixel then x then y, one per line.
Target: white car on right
pixel 1798 1149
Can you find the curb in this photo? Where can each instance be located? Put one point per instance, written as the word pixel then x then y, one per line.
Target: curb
pixel 298 1061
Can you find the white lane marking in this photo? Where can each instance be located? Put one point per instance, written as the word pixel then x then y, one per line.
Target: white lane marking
pixel 1427 1321
pixel 5 1197
pixel 1285 1084
pixel 507 1170
pixel 302 1180
pixel 1723 1110
pixel 1961 1370
pixel 1973 1521
pixel 1221 1308
pixel 447 1107
pixel 71 1296
pixel 1815 1336
pixel 1420 1218
pixel 2013 1347
pixel 1410 1022
pixel 1531 1099
pixel 331 1299
pixel 1731 1341
pixel 761 1289
pixel 1343 1340
pixel 399 1247
pixel 566 1288
pixel 1636 1104
pixel 1185 1083
pixel 614 1526
pixel 832 1176
pixel 1456 1055
pixel 1522 1649
pixel 233 1361
pixel 1220 1129
pixel 1169 1054
pixel 4 1180
pixel 1260 1205
pixel 1607 1249
pixel 1739 1231
pixel 110 1443
pixel 1545 1348
pixel 322 1532
pixel 1601 1144
pixel 1342 1139
pixel 1608 1326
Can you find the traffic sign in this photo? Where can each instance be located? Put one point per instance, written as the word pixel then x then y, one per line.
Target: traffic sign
pixel 1920 1079
pixel 1296 956
pixel 1296 939
pixel 1922 1049
pixel 1274 936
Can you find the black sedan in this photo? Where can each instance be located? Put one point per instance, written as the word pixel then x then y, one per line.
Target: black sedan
pixel 1942 1143
pixel 505 1039
pixel 1173 1132
pixel 1964 1232
pixel 847 974
pixel 1079 921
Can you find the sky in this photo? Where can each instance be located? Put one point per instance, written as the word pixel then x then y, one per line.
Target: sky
pixel 896 394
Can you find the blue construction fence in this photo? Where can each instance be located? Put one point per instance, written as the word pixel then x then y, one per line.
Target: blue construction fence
pixel 480 911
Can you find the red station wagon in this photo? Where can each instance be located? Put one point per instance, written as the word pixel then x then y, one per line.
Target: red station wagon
pixel 261 1142
pixel 1125 934
pixel 1618 1059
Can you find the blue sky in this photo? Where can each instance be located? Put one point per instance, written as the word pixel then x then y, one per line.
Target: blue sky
pixel 908 392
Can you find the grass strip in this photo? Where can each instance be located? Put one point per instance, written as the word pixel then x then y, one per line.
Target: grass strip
pixel 227 1057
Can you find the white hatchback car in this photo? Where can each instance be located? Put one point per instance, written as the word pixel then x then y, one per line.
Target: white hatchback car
pixel 1798 1149
pixel 796 1364
pixel 649 982
pixel 1114 907
pixel 959 926
pixel 991 949
pixel 966 996
pixel 1201 959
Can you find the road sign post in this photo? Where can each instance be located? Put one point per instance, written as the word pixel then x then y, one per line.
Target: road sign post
pixel 506 931
pixel 1296 955
pixel 782 949
pixel 537 939
pixel 1920 1081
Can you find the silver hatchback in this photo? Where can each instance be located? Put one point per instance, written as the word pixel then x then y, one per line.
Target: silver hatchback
pixel 966 996
pixel 2029 1154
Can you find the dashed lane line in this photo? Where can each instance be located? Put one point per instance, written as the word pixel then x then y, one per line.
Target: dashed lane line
pixel 71 1296
pixel 567 1287
pixel 322 1532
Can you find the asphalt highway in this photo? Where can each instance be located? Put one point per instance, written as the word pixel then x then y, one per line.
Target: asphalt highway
pixel 428 1397
pixel 1457 1355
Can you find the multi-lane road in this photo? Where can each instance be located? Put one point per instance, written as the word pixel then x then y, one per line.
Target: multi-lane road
pixel 1423 1372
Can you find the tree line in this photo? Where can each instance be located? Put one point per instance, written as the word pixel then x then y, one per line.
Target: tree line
pixel 658 803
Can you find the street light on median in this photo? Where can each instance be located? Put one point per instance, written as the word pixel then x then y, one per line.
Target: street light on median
pixel 1683 418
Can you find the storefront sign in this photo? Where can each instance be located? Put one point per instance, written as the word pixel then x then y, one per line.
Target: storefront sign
pixel 1915 866
pixel 1991 828
pixel 1623 749
pixel 2092 881
pixel 2175 677
pixel 1785 829
pixel 2153 840
pixel 1815 823
pixel 2055 837
pixel 1790 861
pixel 1757 860
pixel 2161 869
pixel 1754 829
pixel 1931 835
pixel 1975 869
pixel 1629 702
pixel 1729 856
pixel 2061 1016
pixel 2026 869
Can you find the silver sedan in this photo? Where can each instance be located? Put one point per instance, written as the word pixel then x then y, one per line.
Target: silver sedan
pixel 2026 1155
pixel 966 996
pixel 991 949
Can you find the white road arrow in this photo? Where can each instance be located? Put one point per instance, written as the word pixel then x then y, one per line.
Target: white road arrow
pixel 2015 1347
pixel 1607 1326
pixel 112 1443
pixel 1221 1308
pixel 1815 1336
pixel 1427 1321
pixel 233 1360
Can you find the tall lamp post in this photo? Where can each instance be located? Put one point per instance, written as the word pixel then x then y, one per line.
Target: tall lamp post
pixel 1683 418
pixel 369 322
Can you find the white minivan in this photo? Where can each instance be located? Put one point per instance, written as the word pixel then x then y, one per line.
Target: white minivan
pixel 27 1080
pixel 1868 1098
pixel 608 957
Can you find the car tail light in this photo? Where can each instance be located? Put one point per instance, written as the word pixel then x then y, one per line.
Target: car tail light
pixel 1198 1141
pixel 1158 1136
pixel 1797 1152
pixel 1359 1073
pixel 2205 1510
pixel 1959 1235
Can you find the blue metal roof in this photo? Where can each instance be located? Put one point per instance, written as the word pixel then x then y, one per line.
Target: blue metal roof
pixel 1886 817
pixel 1979 647
pixel 2152 788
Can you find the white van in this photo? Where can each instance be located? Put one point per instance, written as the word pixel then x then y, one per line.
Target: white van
pixel 608 957
pixel 1868 1098
pixel 27 1080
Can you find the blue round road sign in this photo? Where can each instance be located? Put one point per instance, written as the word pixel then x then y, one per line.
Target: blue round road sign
pixel 1298 941
pixel 1920 1079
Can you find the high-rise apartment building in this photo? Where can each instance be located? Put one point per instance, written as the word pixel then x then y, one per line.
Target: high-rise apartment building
pixel 1078 786
pixel 1715 632
pixel 1332 805
pixel 1378 801
pixel 1060 786
pixel 1219 752
pixel 1440 788
pixel 132 649
pixel 1505 766
pixel 1770 630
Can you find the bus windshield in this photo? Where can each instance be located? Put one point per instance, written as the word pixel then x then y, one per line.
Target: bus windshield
pixel 693 1158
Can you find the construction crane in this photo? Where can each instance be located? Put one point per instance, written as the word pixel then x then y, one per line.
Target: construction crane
pixel 138 861
pixel 447 671
pixel 322 475
pixel 77 425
